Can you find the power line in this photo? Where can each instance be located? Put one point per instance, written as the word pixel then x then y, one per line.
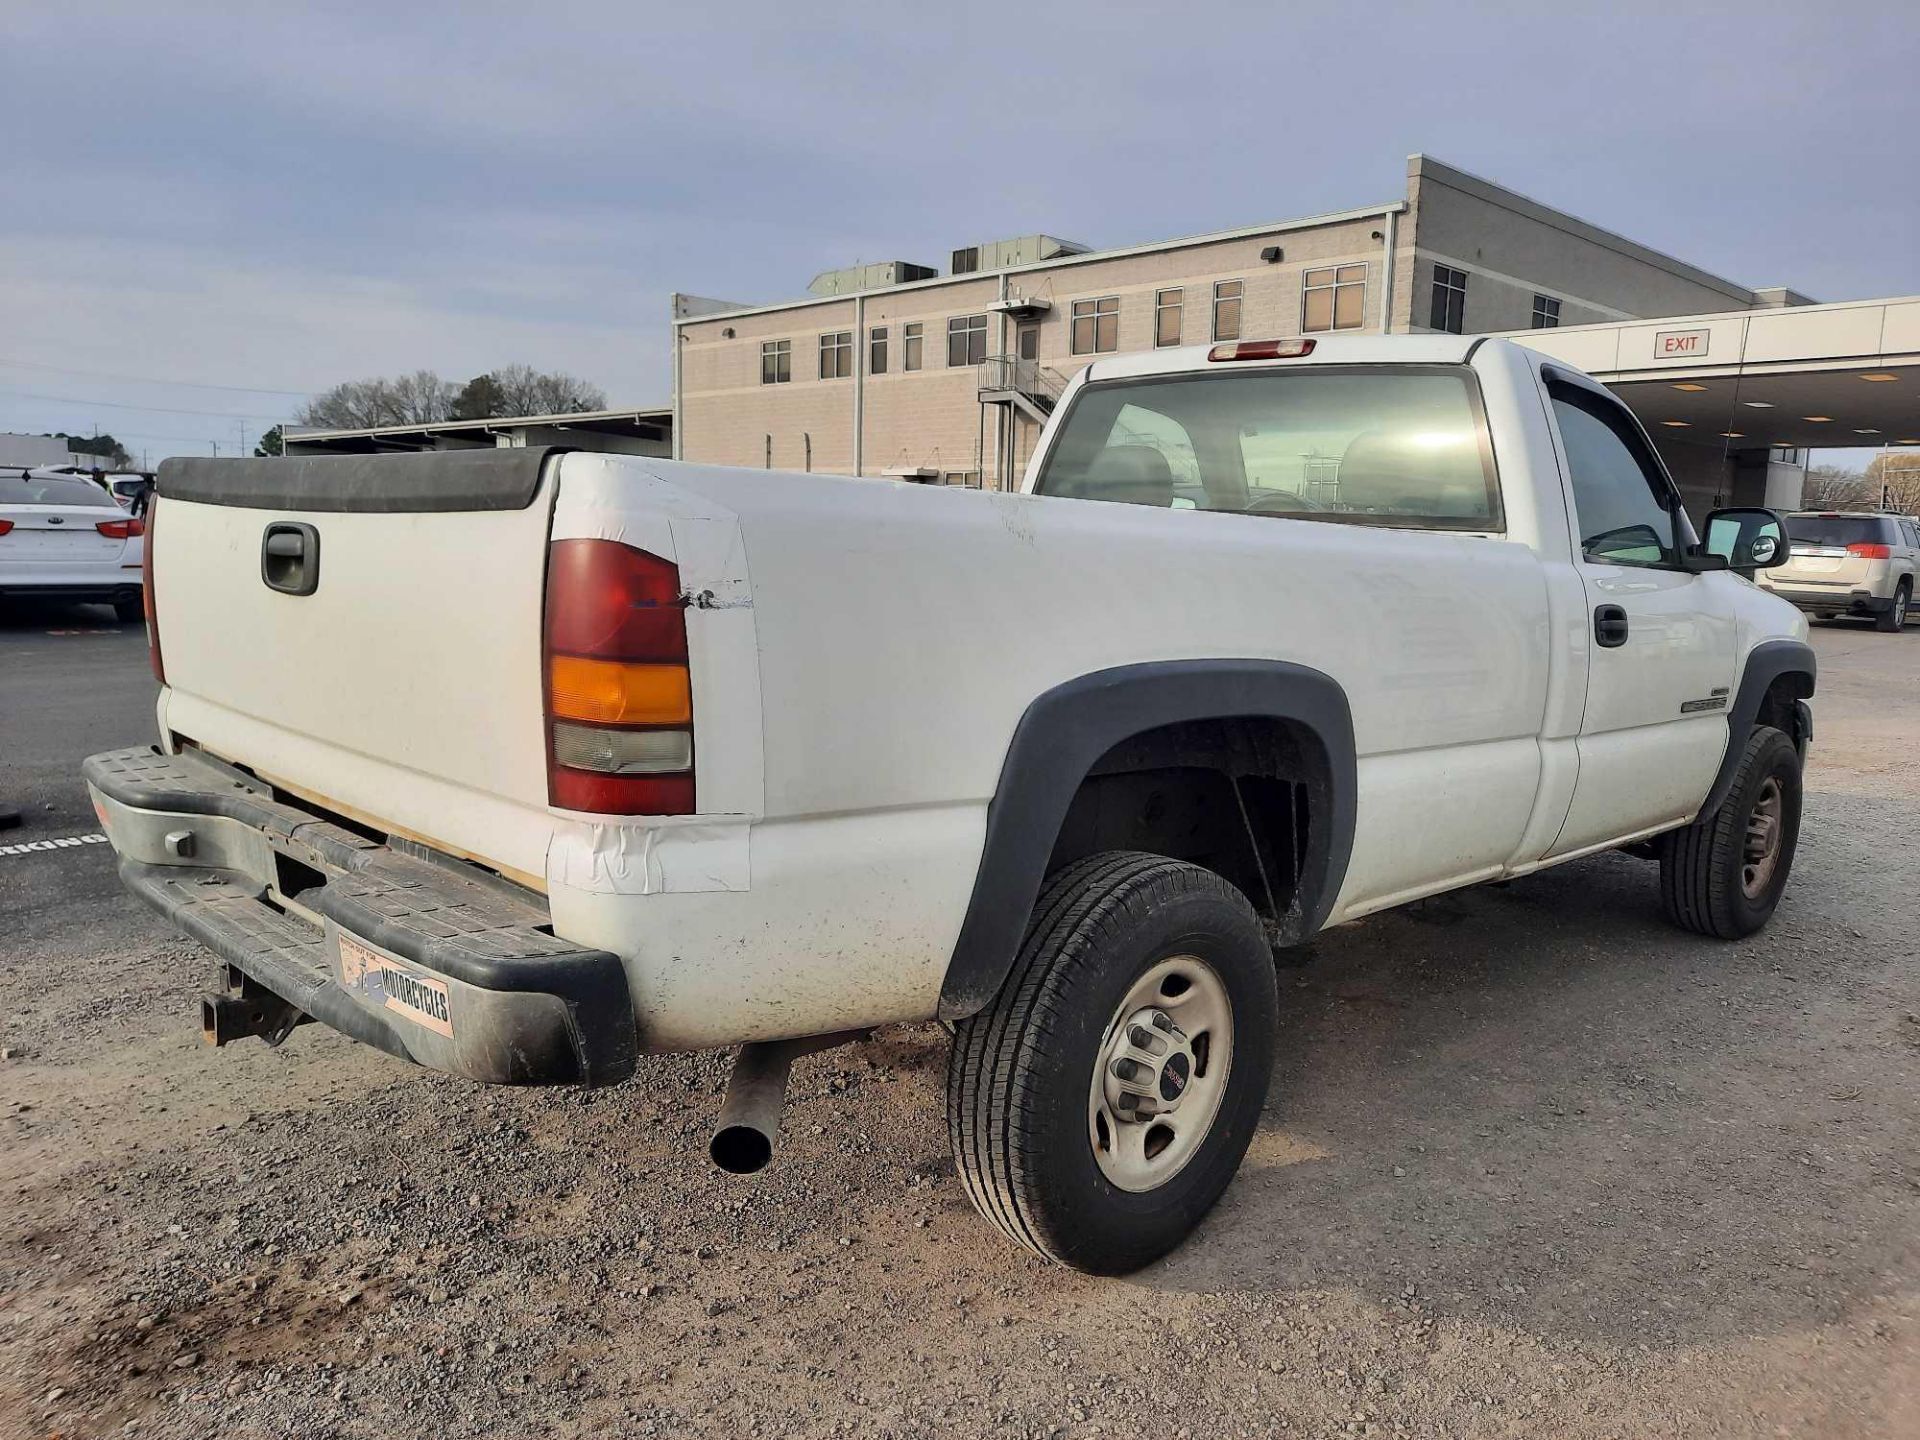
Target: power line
pixel 147 379
pixel 146 409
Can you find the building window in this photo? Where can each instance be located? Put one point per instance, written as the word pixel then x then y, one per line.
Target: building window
pixel 1166 317
pixel 966 261
pixel 877 350
pixel 1546 312
pixel 1096 325
pixel 1227 295
pixel 836 355
pixel 776 362
pixel 911 337
pixel 1334 298
pixel 1449 300
pixel 967 340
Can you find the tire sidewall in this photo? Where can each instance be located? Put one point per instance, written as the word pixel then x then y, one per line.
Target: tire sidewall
pixel 1098 1225
pixel 1774 757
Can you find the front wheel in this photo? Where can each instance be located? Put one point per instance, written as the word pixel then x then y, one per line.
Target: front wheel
pixel 1724 874
pixel 1101 1104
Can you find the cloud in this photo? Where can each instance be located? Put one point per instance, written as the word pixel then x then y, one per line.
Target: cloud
pixel 316 192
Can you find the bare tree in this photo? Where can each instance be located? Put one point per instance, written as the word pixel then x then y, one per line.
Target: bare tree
pixel 1900 473
pixel 523 390
pixel 1829 487
pixel 422 398
pixel 416 399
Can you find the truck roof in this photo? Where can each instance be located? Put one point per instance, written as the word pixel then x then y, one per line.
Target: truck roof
pixel 1327 350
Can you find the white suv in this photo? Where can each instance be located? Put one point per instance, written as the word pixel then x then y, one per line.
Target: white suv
pixel 1847 562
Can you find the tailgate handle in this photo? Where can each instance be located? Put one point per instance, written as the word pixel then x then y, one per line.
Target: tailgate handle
pixel 290 558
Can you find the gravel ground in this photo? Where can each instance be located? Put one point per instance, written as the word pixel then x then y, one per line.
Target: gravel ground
pixel 1533 1164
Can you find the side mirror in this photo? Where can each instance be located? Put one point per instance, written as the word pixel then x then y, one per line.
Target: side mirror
pixel 1748 539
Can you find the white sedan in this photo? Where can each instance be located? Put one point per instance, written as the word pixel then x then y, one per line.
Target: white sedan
pixel 64 537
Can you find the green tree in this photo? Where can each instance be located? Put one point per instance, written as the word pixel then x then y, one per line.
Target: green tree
pixel 271 443
pixel 112 453
pixel 481 398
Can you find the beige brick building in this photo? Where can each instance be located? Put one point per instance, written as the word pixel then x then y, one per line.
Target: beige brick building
pixel 948 379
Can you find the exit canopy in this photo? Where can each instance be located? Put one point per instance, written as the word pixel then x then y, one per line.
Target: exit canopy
pixel 1802 376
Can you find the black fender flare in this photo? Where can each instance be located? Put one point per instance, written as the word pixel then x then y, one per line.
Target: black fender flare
pixel 1068 728
pixel 1766 663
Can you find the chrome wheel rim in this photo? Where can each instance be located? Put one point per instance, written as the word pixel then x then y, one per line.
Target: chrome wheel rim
pixel 1760 854
pixel 1161 1073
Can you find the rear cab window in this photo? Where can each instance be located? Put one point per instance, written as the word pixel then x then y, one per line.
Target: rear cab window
pixel 1403 446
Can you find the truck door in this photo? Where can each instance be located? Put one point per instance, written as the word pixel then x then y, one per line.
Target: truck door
pixel 1660 640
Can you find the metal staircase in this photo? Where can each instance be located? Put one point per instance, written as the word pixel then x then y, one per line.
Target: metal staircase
pixel 1025 385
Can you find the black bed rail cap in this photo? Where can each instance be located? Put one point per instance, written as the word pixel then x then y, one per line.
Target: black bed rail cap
pixel 424 481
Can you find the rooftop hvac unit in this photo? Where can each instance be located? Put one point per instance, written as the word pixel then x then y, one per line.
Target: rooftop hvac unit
pixel 1006 254
pixel 854 278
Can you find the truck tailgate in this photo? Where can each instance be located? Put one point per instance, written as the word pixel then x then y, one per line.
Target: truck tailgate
pixel 405 687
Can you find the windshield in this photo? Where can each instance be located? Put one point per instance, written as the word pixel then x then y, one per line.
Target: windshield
pixel 51 490
pixel 1838 530
pixel 1401 446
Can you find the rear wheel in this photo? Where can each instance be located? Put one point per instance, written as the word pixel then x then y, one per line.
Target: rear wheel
pixel 1895 619
pixel 1724 874
pixel 1101 1104
pixel 128 612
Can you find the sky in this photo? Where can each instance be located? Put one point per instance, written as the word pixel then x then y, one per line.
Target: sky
pixel 208 201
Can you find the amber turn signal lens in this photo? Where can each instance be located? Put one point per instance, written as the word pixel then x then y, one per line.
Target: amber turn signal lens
pixel 609 692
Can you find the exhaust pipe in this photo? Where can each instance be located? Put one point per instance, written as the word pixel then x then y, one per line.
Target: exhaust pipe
pixel 757 1094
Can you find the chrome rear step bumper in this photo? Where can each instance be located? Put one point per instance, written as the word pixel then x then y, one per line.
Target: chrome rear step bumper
pixel 435 961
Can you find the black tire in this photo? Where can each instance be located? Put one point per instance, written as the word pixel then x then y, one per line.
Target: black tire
pixel 1894 619
pixel 129 612
pixel 1703 880
pixel 1019 1075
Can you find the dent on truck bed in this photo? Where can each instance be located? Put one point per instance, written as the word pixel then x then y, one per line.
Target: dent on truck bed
pixel 1066 730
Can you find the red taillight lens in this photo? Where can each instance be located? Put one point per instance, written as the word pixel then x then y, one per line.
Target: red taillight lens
pixel 5 526
pixel 146 592
pixel 619 698
pixel 121 529
pixel 1262 350
pixel 1871 552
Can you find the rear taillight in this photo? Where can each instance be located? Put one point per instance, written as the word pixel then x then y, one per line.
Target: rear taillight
pixel 1868 551
pixel 146 592
pixel 121 529
pixel 1262 350
pixel 619 693
pixel 5 526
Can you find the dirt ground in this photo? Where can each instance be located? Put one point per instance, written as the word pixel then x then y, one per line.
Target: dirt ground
pixel 1534 1164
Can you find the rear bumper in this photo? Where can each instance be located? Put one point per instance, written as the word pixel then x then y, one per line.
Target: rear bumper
pixel 120 585
pixel 1836 601
pixel 433 961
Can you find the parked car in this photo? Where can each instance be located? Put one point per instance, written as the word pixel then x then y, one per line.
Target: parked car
pixel 521 763
pixel 1850 562
pixel 63 537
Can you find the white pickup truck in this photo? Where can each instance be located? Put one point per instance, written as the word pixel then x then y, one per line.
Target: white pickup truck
pixel 522 763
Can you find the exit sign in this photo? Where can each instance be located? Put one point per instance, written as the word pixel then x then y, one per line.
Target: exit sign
pixel 1671 344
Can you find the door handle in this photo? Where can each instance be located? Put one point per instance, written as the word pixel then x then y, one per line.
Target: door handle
pixel 290 558
pixel 1610 626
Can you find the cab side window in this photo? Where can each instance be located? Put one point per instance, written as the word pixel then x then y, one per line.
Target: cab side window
pixel 1622 503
